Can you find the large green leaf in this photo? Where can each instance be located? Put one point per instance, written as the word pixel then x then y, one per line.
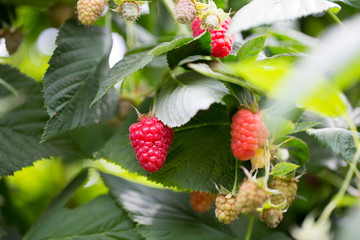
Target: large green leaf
pixel 21 128
pixel 339 140
pixel 100 218
pixel 76 69
pixel 353 3
pixel 199 156
pixel 179 100
pixel 201 45
pixel 135 62
pixel 164 214
pixel 260 12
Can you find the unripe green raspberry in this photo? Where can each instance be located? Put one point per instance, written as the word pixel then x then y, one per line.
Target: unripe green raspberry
pixel 250 197
pixel 129 11
pixel 287 189
pixel 225 208
pixel 272 217
pixel 185 11
pixel 89 11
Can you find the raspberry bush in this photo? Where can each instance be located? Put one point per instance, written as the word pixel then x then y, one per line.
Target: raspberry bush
pixel 251 129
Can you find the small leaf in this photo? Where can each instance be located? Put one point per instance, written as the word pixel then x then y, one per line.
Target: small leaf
pixel 179 101
pixel 303 126
pixel 283 169
pixel 75 71
pixel 201 45
pixel 170 46
pixel 251 49
pixel 260 12
pixel 164 214
pixel 100 218
pixel 339 140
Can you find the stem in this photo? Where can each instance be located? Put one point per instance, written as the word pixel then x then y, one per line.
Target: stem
pixel 236 176
pixel 335 18
pixel 267 165
pixel 130 34
pixel 108 19
pixel 332 205
pixel 249 230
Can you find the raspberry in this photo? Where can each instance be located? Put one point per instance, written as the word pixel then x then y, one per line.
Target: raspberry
pixel 258 161
pixel 248 134
pixel 151 140
pixel 250 197
pixel 220 44
pixel 129 11
pixel 201 201
pixel 287 190
pixel 89 11
pixel 226 211
pixel 185 11
pixel 272 217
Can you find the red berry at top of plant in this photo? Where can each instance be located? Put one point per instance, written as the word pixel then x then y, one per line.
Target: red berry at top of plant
pixel 248 134
pixel 89 11
pixel 221 45
pixel 151 140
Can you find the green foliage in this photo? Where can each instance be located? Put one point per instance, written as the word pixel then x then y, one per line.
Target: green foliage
pixel 100 218
pixel 21 128
pixel 340 141
pixel 251 49
pixel 76 69
pixel 163 213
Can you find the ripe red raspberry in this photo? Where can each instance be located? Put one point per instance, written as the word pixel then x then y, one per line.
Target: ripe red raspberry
pixel 250 197
pixel 272 217
pixel 151 140
pixel 201 201
pixel 248 134
pixel 220 44
pixel 90 10
pixel 226 211
pixel 287 188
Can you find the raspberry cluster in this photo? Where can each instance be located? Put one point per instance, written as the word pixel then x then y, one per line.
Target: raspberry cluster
pixel 129 10
pixel 272 217
pixel 151 140
pixel 221 45
pixel 248 134
pixel 89 11
pixel 287 189
pixel 201 201
pixel 226 211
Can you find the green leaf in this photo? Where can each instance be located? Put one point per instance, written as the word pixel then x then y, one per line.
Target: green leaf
pixel 283 169
pixel 303 126
pixel 76 69
pixel 100 218
pixel 251 49
pixel 200 153
pixel 201 45
pixel 261 12
pixel 298 150
pixel 179 101
pixel 135 62
pixel 353 3
pixel 339 140
pixel 164 214
pixel 22 126
pixel 125 67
